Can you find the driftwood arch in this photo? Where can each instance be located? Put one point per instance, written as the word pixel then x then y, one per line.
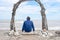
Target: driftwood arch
pixel 44 20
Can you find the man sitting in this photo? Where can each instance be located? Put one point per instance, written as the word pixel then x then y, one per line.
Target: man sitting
pixel 28 25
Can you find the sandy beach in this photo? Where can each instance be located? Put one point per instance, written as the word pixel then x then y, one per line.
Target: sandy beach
pixel 4 36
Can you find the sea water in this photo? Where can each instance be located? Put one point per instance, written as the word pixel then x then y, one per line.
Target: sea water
pixel 52 24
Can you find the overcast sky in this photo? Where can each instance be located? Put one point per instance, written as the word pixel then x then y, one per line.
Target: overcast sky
pixel 30 8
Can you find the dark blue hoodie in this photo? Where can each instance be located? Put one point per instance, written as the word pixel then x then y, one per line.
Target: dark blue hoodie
pixel 28 26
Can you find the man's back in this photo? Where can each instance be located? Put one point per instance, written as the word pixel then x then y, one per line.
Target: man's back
pixel 28 26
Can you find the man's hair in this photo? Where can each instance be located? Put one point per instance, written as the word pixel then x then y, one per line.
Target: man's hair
pixel 28 18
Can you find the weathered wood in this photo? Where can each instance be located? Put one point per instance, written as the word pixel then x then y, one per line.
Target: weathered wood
pixel 44 20
pixel 13 15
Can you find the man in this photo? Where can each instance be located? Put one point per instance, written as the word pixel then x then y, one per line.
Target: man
pixel 28 25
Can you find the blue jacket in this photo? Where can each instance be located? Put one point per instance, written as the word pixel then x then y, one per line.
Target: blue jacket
pixel 28 26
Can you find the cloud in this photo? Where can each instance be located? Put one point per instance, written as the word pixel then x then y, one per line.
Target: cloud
pixel 10 1
pixel 49 1
pixel 43 1
pixel 51 6
pixel 57 0
pixel 28 9
pixel 52 10
pixel 2 8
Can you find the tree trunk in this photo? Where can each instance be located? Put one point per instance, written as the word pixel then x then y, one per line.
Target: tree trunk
pixel 12 24
pixel 44 20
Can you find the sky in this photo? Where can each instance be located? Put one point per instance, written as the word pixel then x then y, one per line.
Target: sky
pixel 30 8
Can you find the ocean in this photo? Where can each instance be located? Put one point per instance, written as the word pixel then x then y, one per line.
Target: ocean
pixel 52 24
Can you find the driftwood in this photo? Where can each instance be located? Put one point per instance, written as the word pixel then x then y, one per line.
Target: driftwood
pixel 44 20
pixel 57 33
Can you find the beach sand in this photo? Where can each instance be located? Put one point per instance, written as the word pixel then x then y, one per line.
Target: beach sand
pixel 4 36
